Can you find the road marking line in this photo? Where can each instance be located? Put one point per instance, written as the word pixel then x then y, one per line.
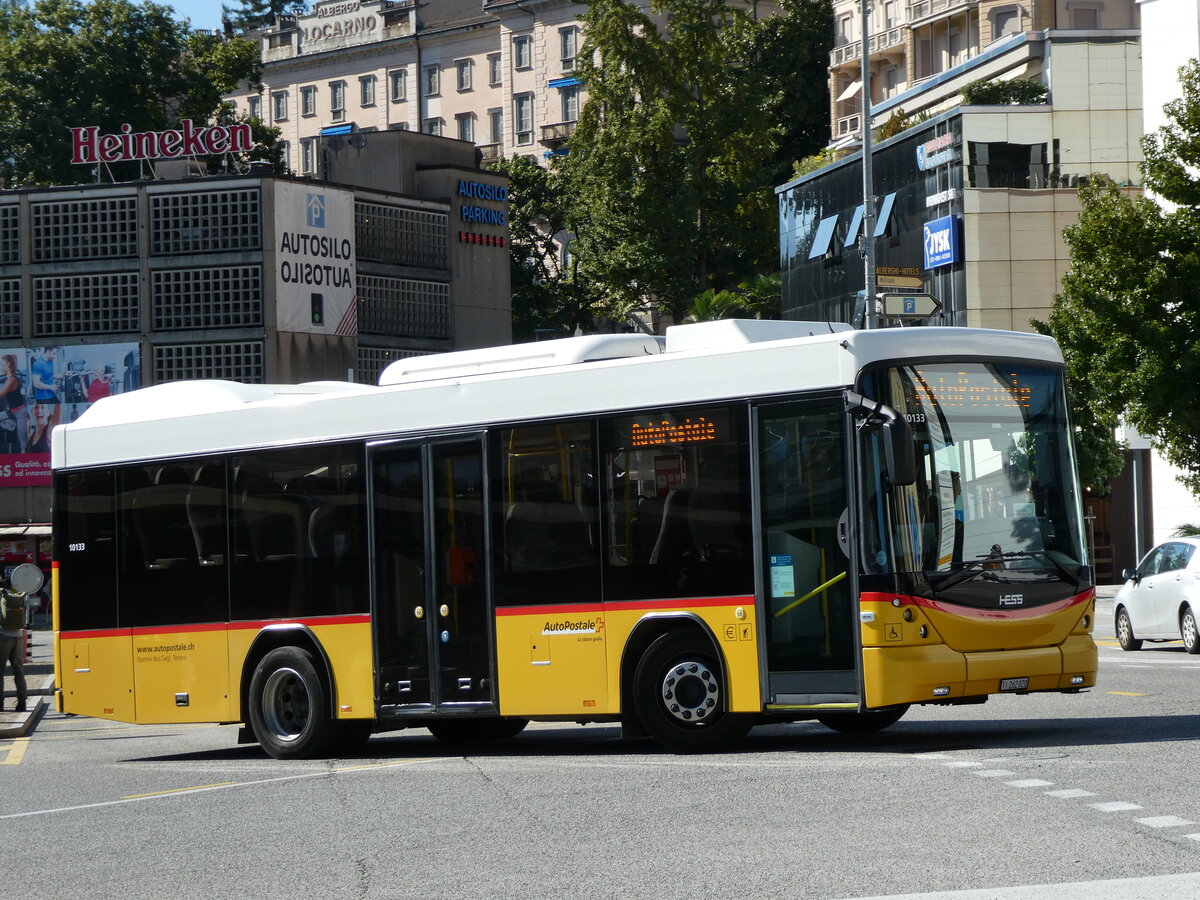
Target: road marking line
pixel 930 756
pixel 16 752
pixel 1193 837
pixel 992 773
pixel 960 764
pixel 1165 822
pixel 1126 694
pixel 1115 806
pixel 199 787
pixel 1029 782
pixel 1070 794
pixel 223 787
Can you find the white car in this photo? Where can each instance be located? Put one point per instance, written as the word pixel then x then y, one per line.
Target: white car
pixel 1160 599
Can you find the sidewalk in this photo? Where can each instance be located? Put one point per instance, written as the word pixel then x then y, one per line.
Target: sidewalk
pixel 39 677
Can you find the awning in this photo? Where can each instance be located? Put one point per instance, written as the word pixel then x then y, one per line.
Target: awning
pixel 562 82
pixel 336 129
pixel 851 89
pixel 15 531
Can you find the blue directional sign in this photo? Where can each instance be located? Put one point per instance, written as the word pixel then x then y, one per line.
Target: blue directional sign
pixel 942 246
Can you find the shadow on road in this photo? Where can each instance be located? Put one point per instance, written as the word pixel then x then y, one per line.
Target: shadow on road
pixel 802 737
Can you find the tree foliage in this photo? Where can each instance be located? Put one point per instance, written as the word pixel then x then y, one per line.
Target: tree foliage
pixel 66 63
pixel 1128 317
pixel 1024 91
pixel 673 163
pixel 548 297
pixel 249 15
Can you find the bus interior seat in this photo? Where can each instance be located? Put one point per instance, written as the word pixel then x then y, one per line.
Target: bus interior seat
pixel 160 520
pixel 272 520
pixel 646 527
pixel 206 513
pixel 674 541
pixel 542 536
pixel 332 533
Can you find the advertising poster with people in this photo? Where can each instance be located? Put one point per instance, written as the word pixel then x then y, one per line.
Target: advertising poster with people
pixel 46 386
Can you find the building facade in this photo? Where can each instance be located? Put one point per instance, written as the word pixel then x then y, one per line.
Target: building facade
pixel 400 248
pixel 496 73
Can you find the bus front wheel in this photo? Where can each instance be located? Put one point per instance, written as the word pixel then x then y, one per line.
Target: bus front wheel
pixel 289 707
pixel 679 696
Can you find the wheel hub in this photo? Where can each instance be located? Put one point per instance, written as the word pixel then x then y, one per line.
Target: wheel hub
pixel 690 692
pixel 285 704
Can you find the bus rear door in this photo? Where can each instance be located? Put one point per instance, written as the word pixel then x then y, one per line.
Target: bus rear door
pixel 430 600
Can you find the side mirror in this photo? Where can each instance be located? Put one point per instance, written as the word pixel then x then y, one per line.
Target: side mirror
pixel 899 454
pixel 1131 575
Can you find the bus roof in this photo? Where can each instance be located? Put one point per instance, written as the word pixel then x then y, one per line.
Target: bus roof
pixel 696 363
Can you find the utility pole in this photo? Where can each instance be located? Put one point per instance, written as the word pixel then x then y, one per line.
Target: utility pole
pixel 868 218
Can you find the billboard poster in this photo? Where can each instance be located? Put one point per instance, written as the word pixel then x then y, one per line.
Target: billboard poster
pixel 41 387
pixel 315 281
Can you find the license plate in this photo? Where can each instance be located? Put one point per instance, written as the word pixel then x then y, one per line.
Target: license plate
pixel 1014 684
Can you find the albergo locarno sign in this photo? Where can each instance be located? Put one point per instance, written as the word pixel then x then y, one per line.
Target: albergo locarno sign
pixel 88 145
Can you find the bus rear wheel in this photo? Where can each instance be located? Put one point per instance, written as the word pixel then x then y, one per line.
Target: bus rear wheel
pixel 863 722
pixel 289 706
pixel 679 696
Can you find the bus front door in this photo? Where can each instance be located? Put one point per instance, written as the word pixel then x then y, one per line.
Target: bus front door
pixel 429 603
pixel 808 604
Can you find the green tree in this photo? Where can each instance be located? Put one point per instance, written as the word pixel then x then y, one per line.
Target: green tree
pixel 676 154
pixel 548 297
pixel 65 63
pixel 1128 316
pixel 248 15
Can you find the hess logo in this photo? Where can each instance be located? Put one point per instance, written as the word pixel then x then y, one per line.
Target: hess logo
pixel 1012 599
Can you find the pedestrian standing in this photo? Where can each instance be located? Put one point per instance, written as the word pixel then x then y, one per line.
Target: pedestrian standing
pixel 12 620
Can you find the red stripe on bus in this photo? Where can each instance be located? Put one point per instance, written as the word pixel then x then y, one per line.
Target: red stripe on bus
pixel 360 619
pixel 621 605
pixel 971 612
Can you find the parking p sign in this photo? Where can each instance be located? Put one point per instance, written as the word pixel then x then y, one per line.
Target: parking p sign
pixel 941 242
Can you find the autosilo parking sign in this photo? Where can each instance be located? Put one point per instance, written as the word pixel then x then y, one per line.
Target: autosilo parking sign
pixel 941 242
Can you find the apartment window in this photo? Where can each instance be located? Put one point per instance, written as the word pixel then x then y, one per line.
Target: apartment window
pixel 254 107
pixel 494 70
pixel 568 39
pixel 522 57
pixel 432 126
pixel 466 126
pixel 496 126
pixel 337 100
pixel 1005 21
pixel 308 101
pixel 279 106
pixel 523 117
pixel 398 126
pixel 308 156
pixel 889 15
pixel 463 67
pixel 366 90
pixel 433 80
pixel 398 80
pixel 1085 17
pixel 844 25
pixel 570 103
pixel 284 153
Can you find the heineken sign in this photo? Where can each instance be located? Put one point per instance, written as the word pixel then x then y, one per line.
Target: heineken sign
pixel 89 146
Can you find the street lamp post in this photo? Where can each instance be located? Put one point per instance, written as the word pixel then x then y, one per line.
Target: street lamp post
pixel 868 218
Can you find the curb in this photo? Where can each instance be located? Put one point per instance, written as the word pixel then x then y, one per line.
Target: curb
pixel 23 723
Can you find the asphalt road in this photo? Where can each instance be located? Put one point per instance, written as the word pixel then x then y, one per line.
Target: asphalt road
pixel 1039 796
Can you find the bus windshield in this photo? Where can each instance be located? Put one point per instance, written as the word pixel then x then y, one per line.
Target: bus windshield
pixel 996 495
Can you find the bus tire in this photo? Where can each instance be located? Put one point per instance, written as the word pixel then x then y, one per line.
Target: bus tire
pixel 462 731
pixel 867 722
pixel 679 696
pixel 289 706
pixel 1188 631
pixel 1125 636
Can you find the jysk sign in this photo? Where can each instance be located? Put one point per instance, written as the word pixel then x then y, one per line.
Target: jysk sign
pixel 941 242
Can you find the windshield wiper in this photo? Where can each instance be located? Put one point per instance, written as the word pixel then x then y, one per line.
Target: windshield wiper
pixel 1075 579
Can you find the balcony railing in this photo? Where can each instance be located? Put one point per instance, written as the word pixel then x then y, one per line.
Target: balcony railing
pixel 853 50
pixel 488 152
pixel 922 9
pixel 555 135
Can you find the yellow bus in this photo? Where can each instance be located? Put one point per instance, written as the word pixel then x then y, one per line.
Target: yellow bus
pixel 742 522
